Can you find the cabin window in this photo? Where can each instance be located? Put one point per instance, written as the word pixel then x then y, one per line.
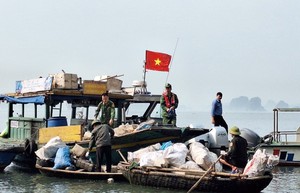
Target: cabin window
pixel 156 113
pixel 28 110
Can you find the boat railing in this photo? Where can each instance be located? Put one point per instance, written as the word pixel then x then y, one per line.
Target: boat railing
pixel 283 136
pixel 278 134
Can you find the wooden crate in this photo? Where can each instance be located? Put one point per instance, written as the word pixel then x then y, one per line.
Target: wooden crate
pixel 94 87
pixel 66 133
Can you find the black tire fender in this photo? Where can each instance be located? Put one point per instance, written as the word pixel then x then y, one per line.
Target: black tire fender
pixel 30 147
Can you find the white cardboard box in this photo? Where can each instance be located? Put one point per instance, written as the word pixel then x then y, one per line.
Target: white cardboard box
pixel 114 84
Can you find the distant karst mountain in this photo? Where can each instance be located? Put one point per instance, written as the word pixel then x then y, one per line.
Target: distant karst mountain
pixel 243 103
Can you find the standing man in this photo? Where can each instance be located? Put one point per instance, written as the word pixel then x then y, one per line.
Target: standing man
pixel 216 112
pixel 107 110
pixel 168 103
pixel 101 137
pixel 237 156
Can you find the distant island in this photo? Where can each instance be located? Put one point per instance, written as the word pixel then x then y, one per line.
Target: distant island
pixel 244 103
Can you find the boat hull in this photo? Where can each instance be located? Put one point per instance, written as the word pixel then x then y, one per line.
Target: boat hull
pixel 207 184
pixel 289 154
pixel 8 150
pixel 48 171
pixel 5 159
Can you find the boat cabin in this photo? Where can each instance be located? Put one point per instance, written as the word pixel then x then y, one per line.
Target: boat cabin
pixel 56 107
pixel 282 135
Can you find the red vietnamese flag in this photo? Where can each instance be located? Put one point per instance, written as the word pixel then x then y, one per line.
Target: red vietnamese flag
pixel 157 61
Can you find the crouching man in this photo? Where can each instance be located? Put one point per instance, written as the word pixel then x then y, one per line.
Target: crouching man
pixel 237 157
pixel 101 138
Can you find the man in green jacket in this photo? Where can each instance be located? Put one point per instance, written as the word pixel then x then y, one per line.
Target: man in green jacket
pixel 168 103
pixel 106 108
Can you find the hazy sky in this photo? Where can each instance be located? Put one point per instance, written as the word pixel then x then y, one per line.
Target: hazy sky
pixel 242 48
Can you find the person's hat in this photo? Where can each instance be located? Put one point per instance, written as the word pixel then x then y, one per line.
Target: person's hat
pixel 95 122
pixel 234 130
pixel 168 85
pixel 105 94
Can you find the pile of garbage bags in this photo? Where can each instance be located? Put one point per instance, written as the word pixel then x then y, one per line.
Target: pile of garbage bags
pixel 58 155
pixel 194 156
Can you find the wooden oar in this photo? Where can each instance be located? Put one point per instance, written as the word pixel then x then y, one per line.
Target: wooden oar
pixel 207 172
pixel 124 159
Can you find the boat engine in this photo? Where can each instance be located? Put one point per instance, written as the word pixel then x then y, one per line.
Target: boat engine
pixel 252 138
pixel 215 140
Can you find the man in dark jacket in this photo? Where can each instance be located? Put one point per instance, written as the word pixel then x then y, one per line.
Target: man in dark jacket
pixel 237 156
pixel 101 138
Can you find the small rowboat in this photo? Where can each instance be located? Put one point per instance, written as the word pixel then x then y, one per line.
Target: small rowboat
pixel 217 182
pixel 81 174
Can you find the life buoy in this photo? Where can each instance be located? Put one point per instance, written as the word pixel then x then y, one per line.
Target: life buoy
pixel 268 139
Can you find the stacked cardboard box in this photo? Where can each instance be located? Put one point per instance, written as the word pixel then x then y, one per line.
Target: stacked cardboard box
pixel 65 81
pixel 114 84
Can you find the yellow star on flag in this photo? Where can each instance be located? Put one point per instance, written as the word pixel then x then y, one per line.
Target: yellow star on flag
pixel 157 62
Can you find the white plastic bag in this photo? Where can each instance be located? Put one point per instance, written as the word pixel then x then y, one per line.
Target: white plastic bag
pixel 154 158
pixel 176 154
pixel 136 156
pixel 203 157
pixel 191 165
pixel 49 150
pixel 257 165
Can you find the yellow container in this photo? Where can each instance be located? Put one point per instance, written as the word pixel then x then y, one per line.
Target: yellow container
pixel 94 87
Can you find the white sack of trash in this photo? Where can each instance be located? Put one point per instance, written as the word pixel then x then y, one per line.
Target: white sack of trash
pixel 203 157
pixel 131 128
pixel 176 154
pixel 260 163
pixel 124 129
pixel 136 156
pixel 154 158
pixel 49 150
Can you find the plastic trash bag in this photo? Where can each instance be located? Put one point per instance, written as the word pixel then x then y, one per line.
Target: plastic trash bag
pixel 62 159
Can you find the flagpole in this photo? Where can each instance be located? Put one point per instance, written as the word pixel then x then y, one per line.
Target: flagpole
pixel 144 73
pixel 144 88
pixel 172 60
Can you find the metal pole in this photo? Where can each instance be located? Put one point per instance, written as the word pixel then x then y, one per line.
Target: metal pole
pixel 172 58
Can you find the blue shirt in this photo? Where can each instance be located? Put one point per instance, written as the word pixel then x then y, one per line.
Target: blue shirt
pixel 216 108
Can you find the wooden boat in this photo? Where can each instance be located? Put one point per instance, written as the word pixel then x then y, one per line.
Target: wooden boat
pixel 217 182
pixel 81 174
pixel 278 142
pixel 37 112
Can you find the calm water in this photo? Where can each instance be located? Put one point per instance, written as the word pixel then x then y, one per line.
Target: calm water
pixel 285 178
pixel 12 180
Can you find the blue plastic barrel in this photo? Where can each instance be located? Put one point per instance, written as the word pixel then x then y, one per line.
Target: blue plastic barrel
pixel 57 121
